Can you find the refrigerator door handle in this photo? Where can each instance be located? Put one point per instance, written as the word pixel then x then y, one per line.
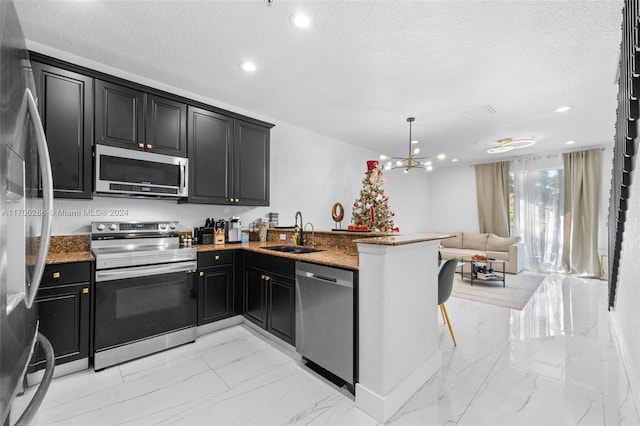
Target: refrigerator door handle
pixel 47 198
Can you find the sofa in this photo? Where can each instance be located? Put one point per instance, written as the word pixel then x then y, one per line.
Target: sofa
pixel 466 244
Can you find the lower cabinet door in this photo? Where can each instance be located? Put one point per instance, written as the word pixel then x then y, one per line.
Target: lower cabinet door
pixel 215 294
pixel 63 312
pixel 282 308
pixel 255 293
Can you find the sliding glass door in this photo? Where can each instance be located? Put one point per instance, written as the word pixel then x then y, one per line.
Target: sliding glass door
pixel 537 212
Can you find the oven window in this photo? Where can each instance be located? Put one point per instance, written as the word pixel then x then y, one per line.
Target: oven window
pixel 128 170
pixel 136 308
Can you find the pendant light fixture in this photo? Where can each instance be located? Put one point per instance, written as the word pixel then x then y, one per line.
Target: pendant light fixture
pixel 411 161
pixel 507 144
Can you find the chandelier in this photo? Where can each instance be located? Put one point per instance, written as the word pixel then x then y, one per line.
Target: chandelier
pixel 411 161
pixel 507 144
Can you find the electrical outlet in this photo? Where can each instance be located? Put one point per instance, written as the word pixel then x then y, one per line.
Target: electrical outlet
pixel 283 237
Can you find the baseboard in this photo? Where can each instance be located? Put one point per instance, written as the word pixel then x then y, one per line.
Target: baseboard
pixel 627 360
pixel 59 370
pixel 383 407
pixel 201 330
pixel 275 341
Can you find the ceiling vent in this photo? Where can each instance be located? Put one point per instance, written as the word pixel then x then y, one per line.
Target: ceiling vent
pixel 478 112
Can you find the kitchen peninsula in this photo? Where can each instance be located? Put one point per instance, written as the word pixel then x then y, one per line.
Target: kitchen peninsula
pixel 396 302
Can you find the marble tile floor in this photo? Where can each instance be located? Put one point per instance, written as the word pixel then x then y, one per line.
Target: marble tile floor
pixel 554 363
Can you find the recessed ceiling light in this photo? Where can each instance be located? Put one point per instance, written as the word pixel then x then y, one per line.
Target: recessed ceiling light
pixel 441 156
pixel 301 20
pixel 570 142
pixel 414 141
pixel 248 66
pixel 454 160
pixel 563 109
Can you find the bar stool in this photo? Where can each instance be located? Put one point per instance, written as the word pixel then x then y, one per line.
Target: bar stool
pixel 445 286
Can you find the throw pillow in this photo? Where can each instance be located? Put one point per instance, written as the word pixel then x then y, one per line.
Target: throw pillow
pixel 455 242
pixel 496 243
pixel 474 241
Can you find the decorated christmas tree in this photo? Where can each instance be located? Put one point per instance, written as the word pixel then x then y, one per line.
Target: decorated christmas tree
pixel 372 208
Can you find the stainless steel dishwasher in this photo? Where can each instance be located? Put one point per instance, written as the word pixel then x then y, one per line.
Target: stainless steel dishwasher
pixel 324 318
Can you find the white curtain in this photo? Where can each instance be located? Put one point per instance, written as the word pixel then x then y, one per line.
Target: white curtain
pixel 582 195
pixel 537 211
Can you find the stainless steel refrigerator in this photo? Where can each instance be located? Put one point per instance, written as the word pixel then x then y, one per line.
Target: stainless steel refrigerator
pixel 26 197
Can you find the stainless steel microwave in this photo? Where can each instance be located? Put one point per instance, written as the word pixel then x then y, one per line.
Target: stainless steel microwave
pixel 129 172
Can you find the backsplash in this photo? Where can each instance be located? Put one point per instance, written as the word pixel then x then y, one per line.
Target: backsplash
pixel 341 240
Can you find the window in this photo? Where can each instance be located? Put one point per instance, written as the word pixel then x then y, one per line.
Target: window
pixel 536 213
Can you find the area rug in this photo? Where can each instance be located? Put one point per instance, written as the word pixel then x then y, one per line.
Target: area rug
pixel 519 289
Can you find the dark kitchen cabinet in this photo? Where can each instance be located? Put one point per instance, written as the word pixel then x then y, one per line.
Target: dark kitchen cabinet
pixel 269 288
pixel 65 104
pixel 63 303
pixel 210 147
pixel 255 290
pixel 119 116
pixel 229 159
pixel 282 307
pixel 251 164
pixel 166 124
pixel 133 119
pixel 215 286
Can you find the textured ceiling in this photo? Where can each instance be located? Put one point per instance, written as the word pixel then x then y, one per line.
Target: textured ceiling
pixel 364 66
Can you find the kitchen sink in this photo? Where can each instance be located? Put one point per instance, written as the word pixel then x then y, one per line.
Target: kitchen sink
pixel 293 249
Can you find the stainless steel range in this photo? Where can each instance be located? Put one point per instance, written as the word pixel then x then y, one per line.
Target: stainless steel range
pixel 145 296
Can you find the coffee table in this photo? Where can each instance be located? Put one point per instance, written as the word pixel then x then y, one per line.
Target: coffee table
pixel 488 265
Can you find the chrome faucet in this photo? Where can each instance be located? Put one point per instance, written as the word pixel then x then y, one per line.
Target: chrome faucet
pixel 313 234
pixel 299 232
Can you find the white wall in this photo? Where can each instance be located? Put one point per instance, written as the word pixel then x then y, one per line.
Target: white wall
pixel 409 199
pixel 626 313
pixel 452 199
pixel 606 168
pixel 309 172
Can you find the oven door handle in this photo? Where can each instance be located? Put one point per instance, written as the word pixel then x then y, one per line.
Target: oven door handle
pixel 144 271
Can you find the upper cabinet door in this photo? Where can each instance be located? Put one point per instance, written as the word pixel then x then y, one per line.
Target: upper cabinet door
pixel 251 173
pixel 119 115
pixel 210 147
pixel 166 126
pixel 65 103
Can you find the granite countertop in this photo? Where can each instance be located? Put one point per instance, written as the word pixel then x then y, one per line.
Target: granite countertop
pixel 329 256
pixel 75 248
pixel 69 249
pixel 401 239
pixel 70 257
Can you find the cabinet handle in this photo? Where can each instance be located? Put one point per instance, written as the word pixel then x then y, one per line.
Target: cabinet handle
pixel 85 290
pixel 141 145
pixel 217 258
pixel 149 146
pixel 56 275
pixel 202 274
